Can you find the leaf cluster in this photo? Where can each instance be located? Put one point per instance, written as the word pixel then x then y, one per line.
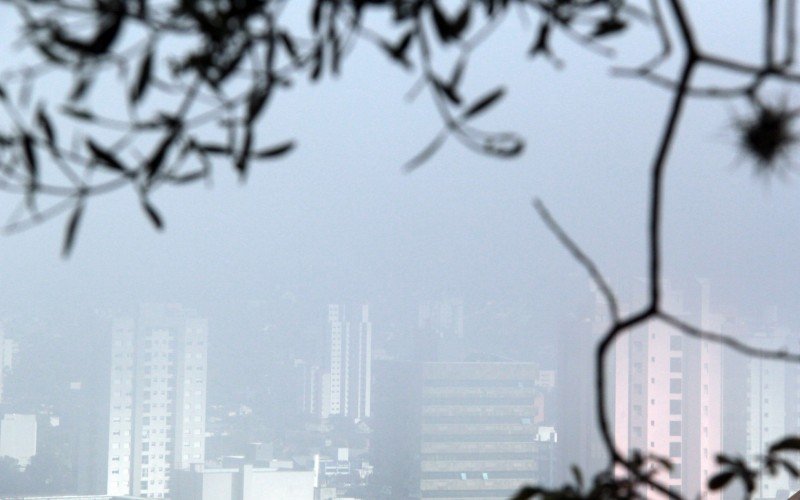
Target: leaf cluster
pixel 199 77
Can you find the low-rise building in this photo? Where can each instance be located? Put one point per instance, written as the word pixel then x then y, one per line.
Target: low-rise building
pixel 244 483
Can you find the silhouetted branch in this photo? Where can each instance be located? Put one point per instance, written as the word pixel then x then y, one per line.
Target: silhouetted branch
pixel 581 257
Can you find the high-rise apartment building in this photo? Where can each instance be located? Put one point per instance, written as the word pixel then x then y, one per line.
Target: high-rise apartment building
pixel 763 405
pixel 667 396
pixel 157 399
pixel 347 385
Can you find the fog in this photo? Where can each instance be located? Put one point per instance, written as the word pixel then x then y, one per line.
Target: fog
pixel 339 222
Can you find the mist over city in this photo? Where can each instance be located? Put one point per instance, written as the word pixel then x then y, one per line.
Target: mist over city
pixel 334 324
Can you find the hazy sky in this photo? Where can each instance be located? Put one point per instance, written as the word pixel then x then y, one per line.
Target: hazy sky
pixel 340 220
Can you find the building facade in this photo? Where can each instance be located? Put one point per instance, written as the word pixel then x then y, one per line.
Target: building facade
pixel 347 385
pixel 479 437
pixel 157 399
pixel 667 396
pixel 18 437
pixel 243 483
pixel 8 348
pixel 771 396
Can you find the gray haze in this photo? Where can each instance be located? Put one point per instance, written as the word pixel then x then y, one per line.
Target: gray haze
pixel 339 221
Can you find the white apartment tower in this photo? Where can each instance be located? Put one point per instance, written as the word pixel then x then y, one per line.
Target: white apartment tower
pixel 157 399
pixel 668 396
pixel 348 386
pixel 771 409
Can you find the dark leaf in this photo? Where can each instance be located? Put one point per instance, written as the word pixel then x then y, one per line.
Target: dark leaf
pixel 425 154
pixel 187 178
pixel 157 160
pixel 527 493
pixel 484 103
pixel 542 43
pixel 504 144
pixel 336 54
pixel 143 79
pixel 450 30
pixel 80 114
pixel 244 154
pixel 100 44
pixel 578 475
pixel 316 14
pixel 789 443
pixel 80 88
pixel 720 480
pixel 47 128
pixel 217 149
pixel 3 95
pixel 790 467
pixel 608 26
pixel 398 51
pixel 749 479
pixel 105 157
pixel 256 101
pixel 288 43
pixel 448 91
pixel 71 230
pixel 153 215
pixel 458 73
pixel 316 61
pixel 279 150
pixel 462 21
pixel 31 162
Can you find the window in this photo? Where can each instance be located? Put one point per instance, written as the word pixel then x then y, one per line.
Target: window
pixel 674 428
pixel 675 473
pixel 675 343
pixel 675 364
pixel 675 386
pixel 674 450
pixel 675 407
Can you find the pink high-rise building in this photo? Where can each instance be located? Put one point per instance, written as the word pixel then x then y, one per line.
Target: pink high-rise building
pixel 667 395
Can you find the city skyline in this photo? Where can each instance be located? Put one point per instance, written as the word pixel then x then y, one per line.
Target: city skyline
pixel 661 380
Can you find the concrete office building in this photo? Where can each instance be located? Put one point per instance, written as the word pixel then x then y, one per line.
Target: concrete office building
pixel 157 399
